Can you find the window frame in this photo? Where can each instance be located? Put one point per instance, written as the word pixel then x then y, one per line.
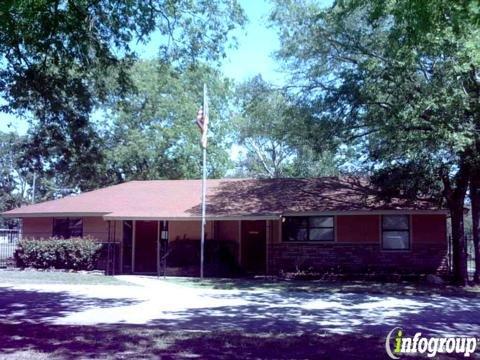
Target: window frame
pixel 70 220
pixel 308 227
pixel 408 231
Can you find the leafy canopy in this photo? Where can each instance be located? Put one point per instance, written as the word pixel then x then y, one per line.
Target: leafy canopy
pixel 58 57
pixel 152 134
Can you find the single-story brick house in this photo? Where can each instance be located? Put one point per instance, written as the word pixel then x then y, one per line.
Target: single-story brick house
pixel 253 226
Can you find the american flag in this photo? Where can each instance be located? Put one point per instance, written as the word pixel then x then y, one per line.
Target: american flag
pixel 202 121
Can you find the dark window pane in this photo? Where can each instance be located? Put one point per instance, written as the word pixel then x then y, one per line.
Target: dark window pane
pixel 314 228
pixel 321 221
pixel 297 234
pixel 60 228
pixel 76 227
pixel 396 240
pixel 297 221
pixel 321 234
pixel 66 228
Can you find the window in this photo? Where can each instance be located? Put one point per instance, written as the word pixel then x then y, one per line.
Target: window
pixel 313 228
pixel 396 232
pixel 67 227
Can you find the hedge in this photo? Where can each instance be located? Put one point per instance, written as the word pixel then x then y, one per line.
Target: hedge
pixel 73 253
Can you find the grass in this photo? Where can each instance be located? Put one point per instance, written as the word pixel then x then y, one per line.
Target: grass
pixel 142 342
pixel 25 334
pixel 18 277
pixel 311 286
pixel 322 286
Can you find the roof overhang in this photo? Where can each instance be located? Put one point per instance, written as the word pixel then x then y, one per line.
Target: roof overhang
pixel 191 218
pixel 368 212
pixel 114 216
pixel 51 214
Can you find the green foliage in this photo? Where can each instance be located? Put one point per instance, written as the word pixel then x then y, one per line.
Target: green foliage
pixel 14 177
pixel 152 133
pixel 274 135
pixel 58 58
pixel 74 253
pixel 411 180
pixel 399 78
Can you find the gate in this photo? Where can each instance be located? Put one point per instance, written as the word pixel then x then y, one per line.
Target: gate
pixel 8 243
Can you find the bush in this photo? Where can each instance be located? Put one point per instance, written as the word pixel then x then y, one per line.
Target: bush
pixel 74 253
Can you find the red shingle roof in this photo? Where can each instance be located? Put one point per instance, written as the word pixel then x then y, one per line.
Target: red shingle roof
pixel 170 199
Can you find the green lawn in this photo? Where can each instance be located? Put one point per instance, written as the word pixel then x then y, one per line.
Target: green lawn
pixel 310 286
pixel 353 325
pixel 322 286
pixel 56 277
pixel 147 342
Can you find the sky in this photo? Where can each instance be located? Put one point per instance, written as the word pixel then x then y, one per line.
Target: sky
pixel 257 43
pixel 254 55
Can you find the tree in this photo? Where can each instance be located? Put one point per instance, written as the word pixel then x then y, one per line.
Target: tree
pixel 271 132
pixel 395 77
pixel 152 133
pixel 14 183
pixel 17 172
pixel 57 56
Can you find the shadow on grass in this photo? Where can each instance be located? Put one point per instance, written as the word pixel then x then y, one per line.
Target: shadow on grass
pixel 34 306
pixel 147 342
pixel 136 342
pixel 323 286
pixel 267 325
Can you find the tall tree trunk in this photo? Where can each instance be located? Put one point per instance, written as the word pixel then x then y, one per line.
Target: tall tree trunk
pixel 455 200
pixel 475 201
pixel 458 245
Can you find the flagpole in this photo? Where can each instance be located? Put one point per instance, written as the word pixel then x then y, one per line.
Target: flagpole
pixel 204 187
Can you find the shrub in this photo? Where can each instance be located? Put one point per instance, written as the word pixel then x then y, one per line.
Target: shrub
pixel 73 253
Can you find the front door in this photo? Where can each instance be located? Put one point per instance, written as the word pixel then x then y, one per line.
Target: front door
pixel 146 233
pixel 254 246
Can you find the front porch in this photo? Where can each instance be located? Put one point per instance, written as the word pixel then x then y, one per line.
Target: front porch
pixel 172 247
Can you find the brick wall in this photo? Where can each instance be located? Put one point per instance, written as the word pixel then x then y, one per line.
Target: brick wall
pixel 423 258
pixel 358 248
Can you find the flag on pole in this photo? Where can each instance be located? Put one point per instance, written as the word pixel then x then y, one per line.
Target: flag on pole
pixel 202 120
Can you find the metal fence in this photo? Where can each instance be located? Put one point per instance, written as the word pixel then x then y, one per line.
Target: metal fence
pixel 110 258
pixel 470 255
pixel 469 249
pixel 8 243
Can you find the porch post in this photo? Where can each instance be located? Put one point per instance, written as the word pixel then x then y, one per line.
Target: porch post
pixel 158 248
pixel 240 242
pixel 114 247
pixel 267 239
pixel 134 225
